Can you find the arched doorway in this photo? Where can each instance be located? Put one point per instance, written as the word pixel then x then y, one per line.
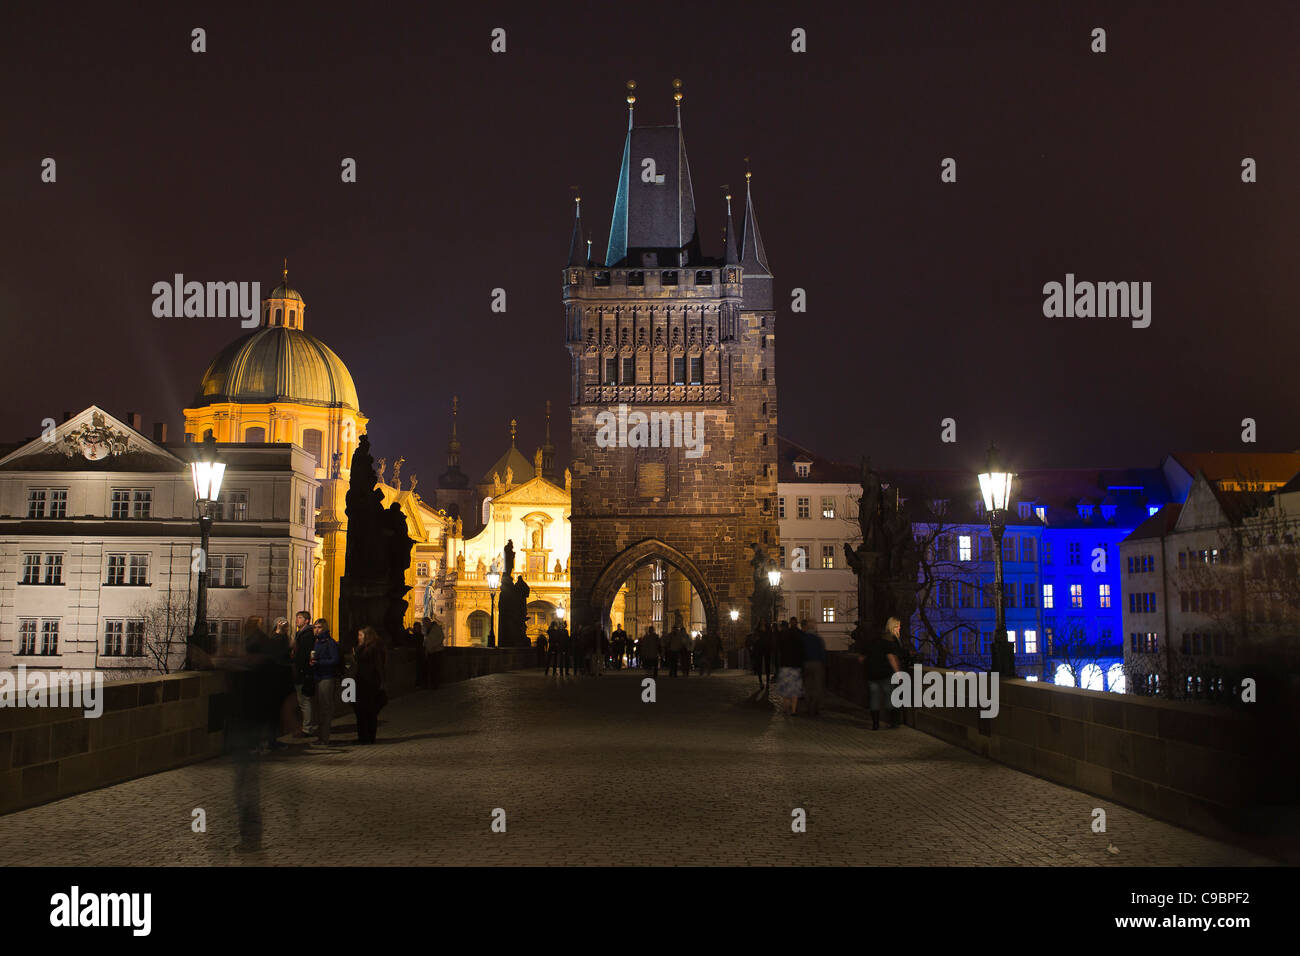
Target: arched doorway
pixel 653 553
pixel 540 616
pixel 478 623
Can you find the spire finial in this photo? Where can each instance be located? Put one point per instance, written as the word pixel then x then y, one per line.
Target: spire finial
pixel 678 96
pixel 513 427
pixel 748 174
pixel 548 421
pixel 631 101
pixel 285 275
pixel 455 407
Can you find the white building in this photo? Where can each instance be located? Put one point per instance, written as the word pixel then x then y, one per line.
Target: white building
pixel 98 529
pixel 817 512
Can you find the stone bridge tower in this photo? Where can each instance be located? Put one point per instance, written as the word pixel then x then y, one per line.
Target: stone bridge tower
pixel 660 334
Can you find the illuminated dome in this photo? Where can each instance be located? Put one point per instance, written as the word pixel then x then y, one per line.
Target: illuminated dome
pixel 276 363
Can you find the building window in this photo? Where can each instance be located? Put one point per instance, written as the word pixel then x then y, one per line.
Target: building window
pixel 1011 639
pixel 49 637
pixel 828 610
pixel 669 277
pixel 229 640
pixel 47 503
pixel 986 642
pixel 1076 553
pixel 704 277
pixel 1076 595
pixel 1103 595
pixel 123 638
pixel 805 607
pixel 802 468
pixel 1009 593
pixel 1041 512
pixel 36 503
pixel 1031 642
pixel 803 507
pixel 828 507
pixel 629 370
pixel 311 443
pixel 26 637
pixel 697 370
pixel 116 569
pixel 828 556
pixel 1047 552
pixel 235 507
pixel 121 503
pixel 226 570
pixel 1026 549
pixel 780 557
pixel 31 569
pixel 1049 601
pixel 780 507
pixel 1030 594
pixel 964 547
pixel 1023 509
pixel 138 569
pixel 302 509
pixel 633 278
pixel 1008 549
pixel 46 568
pixel 611 371
pixel 679 371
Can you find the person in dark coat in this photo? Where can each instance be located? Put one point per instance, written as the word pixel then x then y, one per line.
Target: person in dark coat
pixel 372 667
pixel 884 656
pixel 325 665
pixel 301 655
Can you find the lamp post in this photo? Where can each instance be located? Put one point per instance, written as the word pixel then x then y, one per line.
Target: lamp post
pixel 995 485
pixel 493 582
pixel 735 616
pixel 207 470
pixel 774 582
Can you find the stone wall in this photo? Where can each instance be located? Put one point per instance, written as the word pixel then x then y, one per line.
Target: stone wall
pixel 1199 766
pixel 146 726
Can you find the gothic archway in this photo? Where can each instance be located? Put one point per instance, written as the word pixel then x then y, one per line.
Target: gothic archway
pixel 622 566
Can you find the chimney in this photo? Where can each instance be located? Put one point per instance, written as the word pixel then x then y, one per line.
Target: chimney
pixel 160 432
pixel 133 419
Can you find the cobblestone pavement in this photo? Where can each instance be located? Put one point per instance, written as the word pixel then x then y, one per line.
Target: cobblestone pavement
pixel 588 774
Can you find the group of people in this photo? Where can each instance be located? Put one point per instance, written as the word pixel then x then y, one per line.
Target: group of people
pixel 562 652
pixel 796 658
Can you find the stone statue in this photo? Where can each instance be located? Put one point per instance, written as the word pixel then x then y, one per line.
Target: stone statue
pixel 481 568
pixel 558 568
pixel 869 508
pixel 373 588
pixel 885 561
pixel 414 479
pixel 397 473
pixel 380 469
pixel 460 563
pixel 509 553
pixel 761 599
pixel 568 481
pixel 537 461
pixel 537 540
pixel 510 476
pixel 497 489
pixel 457 529
pixel 428 599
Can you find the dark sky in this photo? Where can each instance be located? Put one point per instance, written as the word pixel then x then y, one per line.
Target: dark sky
pixel 924 299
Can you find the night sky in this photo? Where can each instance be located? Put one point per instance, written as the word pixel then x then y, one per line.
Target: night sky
pixel 924 299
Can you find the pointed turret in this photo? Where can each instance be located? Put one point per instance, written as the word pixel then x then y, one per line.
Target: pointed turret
pixel 758 293
pixel 578 249
pixel 732 257
pixel 548 449
pixel 453 477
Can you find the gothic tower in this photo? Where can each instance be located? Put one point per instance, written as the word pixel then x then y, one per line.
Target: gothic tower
pixel 673 389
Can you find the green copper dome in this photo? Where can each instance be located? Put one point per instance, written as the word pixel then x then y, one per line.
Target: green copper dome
pixel 278 364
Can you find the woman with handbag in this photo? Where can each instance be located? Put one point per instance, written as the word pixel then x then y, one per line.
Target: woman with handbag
pixel 372 665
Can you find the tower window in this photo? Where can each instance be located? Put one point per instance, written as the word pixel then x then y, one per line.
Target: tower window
pixel 636 278
pixel 600 279
pixel 679 371
pixel 611 371
pixel 629 371
pixel 292 316
pixel 279 316
pixel 670 277
pixel 697 371
pixel 704 277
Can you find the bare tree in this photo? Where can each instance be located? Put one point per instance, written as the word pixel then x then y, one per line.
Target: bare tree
pixel 947 589
pixel 1075 649
pixel 163 624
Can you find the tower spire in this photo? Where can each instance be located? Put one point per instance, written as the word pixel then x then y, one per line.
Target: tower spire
pixel 453 446
pixel 548 449
pixel 732 256
pixel 576 257
pixel 513 428
pixel 753 257
pixel 284 276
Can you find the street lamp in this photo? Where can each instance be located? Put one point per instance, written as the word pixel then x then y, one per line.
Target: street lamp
pixel 493 582
pixel 735 616
pixel 995 485
pixel 208 470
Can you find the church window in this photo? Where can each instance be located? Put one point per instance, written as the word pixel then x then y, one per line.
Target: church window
pixel 311 443
pixel 611 371
pixel 765 374
pixel 679 371
pixel 629 371
pixel 697 370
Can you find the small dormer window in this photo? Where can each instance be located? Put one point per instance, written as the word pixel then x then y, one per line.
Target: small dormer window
pixel 1108 512
pixel 979 507
pixel 1042 513
pixel 1152 509
pixel 802 468
pixel 1085 511
pixel 1023 509
pixel 938 506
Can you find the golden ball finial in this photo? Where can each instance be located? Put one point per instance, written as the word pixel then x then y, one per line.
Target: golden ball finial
pixel 677 92
pixel 631 92
pixel 748 175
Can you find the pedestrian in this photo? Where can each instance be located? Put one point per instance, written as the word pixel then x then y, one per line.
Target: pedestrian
pixel 789 679
pixel 619 640
pixel 566 648
pixel 303 640
pixel 814 670
pixel 433 644
pixel 712 649
pixel 279 651
pixel 673 646
pixel 325 662
pixel 882 659
pixel 372 669
pixel 647 652
pixel 540 647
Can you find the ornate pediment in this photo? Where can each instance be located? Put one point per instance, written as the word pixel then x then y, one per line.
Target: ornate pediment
pixel 91 441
